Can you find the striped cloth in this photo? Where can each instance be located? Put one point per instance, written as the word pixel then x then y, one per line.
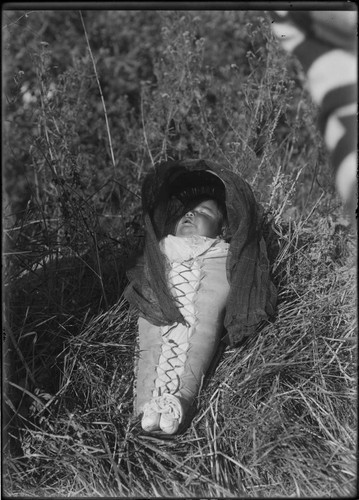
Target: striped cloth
pixel 325 43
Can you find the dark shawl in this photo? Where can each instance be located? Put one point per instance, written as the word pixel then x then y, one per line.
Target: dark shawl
pixel 165 191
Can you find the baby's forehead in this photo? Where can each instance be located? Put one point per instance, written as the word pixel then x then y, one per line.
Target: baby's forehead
pixel 207 203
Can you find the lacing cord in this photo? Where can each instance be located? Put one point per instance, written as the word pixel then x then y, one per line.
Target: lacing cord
pixel 184 279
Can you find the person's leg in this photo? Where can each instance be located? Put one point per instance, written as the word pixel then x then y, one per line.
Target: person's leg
pixel 325 43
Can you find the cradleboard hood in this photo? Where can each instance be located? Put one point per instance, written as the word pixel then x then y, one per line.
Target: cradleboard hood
pixel 165 192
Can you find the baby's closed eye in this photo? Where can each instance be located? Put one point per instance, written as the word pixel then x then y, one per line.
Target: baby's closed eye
pixel 208 213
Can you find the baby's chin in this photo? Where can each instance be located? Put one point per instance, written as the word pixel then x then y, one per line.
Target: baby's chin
pixel 185 235
pixel 186 232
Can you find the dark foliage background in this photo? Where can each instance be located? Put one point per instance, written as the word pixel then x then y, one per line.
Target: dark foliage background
pixel 176 84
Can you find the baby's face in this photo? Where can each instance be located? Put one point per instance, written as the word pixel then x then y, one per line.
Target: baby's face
pixel 204 219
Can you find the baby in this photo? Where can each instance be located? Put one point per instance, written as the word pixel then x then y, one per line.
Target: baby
pixel 174 359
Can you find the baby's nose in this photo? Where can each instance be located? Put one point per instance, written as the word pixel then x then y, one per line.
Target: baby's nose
pixel 190 214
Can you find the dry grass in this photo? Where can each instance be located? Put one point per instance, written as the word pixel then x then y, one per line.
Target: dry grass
pixel 278 417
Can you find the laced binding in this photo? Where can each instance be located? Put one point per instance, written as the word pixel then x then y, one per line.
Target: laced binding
pixel 185 280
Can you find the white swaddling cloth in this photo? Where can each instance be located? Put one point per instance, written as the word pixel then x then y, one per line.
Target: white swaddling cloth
pixel 174 358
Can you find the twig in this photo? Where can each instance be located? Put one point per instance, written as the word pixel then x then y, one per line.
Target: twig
pixel 100 89
pixel 144 132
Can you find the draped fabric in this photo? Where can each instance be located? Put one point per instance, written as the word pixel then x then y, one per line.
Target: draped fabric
pixel 166 192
